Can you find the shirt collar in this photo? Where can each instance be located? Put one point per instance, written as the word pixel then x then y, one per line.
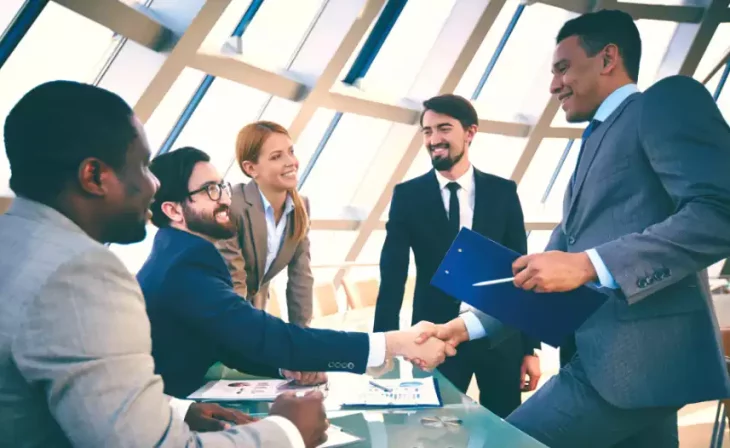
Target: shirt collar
pixel 614 100
pixel 288 205
pixel 465 181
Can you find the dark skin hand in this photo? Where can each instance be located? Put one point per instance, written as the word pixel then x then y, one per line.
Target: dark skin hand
pixel 307 413
pixel 204 417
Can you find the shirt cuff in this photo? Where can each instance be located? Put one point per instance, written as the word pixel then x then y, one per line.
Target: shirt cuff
pixel 180 407
pixel 291 431
pixel 376 354
pixel 473 325
pixel 605 278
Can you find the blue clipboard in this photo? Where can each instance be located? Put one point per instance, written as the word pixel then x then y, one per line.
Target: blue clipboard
pixel 549 317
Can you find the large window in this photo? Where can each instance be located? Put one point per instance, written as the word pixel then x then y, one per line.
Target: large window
pixel 60 45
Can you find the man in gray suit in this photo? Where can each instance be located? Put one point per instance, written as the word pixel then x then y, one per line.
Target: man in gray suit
pixel 75 362
pixel 646 212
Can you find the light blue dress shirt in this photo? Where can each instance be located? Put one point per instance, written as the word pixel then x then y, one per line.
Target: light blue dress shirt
pixel 605 279
pixel 274 230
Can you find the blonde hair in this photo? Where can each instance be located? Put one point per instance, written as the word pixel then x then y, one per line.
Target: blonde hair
pixel 250 140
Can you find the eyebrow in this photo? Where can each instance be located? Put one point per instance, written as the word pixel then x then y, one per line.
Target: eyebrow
pixel 439 125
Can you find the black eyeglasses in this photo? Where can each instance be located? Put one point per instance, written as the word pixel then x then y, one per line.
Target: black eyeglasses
pixel 214 191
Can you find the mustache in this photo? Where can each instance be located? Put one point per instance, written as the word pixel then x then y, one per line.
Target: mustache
pixel 222 208
pixel 438 146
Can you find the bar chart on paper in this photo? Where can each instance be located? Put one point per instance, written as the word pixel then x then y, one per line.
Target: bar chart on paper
pixel 420 392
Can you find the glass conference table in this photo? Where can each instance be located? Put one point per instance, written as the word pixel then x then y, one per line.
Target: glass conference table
pixel 461 422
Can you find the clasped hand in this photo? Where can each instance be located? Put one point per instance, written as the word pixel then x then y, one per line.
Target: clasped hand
pixel 412 344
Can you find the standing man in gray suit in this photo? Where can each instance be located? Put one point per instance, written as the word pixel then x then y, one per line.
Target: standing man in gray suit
pixel 646 212
pixel 75 361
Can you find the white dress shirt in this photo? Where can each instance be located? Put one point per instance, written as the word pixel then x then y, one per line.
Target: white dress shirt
pixel 466 195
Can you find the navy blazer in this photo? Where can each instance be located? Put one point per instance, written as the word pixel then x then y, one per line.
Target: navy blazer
pixel 197 320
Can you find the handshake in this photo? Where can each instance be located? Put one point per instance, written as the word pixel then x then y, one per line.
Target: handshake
pixel 427 345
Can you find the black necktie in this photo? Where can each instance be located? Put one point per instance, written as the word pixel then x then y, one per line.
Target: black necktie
pixel 586 133
pixel 453 207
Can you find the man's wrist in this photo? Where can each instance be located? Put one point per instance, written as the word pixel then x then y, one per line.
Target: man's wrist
pixel 458 330
pixel 590 274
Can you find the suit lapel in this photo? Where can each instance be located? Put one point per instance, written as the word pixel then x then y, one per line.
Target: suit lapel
pixel 257 226
pixel 286 250
pixel 479 221
pixel 589 153
pixel 434 202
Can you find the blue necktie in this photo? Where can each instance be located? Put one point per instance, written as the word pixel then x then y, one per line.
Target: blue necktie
pixel 586 133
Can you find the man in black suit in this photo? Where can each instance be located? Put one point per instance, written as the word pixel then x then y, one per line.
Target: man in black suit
pixel 426 213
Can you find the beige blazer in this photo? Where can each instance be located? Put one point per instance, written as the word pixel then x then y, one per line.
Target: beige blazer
pixel 245 255
pixel 75 347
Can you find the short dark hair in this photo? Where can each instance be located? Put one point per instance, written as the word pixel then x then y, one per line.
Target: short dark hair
pixel 454 106
pixel 57 125
pixel 173 169
pixel 597 29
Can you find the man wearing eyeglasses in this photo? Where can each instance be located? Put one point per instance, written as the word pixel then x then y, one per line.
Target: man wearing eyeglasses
pixel 197 317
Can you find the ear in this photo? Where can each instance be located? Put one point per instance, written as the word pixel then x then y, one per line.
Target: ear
pixel 609 58
pixel 471 132
pixel 95 177
pixel 249 169
pixel 173 210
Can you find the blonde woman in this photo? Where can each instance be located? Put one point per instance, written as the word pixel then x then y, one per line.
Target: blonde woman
pixel 273 222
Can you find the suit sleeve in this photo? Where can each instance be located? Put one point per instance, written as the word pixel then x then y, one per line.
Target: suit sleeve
pixel 248 366
pixel 394 259
pixel 205 301
pixel 687 142
pixel 84 342
pixel 230 250
pixel 516 239
pixel 300 282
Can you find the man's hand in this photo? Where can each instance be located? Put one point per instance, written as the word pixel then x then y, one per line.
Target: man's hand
pixel 305 378
pixel 429 353
pixel 553 271
pixel 453 332
pixel 530 367
pixel 202 417
pixel 307 413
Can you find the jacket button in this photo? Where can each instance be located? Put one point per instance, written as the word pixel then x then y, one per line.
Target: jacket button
pixel 641 283
pixel 350 365
pixel 571 240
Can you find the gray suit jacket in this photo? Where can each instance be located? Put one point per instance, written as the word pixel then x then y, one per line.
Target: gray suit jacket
pixel 652 195
pixel 245 256
pixel 75 363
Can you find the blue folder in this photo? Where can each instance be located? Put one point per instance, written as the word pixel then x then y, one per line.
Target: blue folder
pixel 549 317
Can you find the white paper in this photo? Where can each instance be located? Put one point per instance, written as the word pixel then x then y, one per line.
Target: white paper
pixel 412 392
pixel 247 390
pixel 337 437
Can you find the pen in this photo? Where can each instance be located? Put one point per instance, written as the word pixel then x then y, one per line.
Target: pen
pixel 383 388
pixel 494 282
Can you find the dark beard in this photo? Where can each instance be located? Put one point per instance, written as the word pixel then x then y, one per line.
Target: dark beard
pixel 445 163
pixel 207 225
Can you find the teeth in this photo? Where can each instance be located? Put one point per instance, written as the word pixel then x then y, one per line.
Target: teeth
pixel 290 174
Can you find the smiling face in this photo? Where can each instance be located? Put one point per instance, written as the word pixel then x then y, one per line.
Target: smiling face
pixel 276 167
pixel 578 78
pixel 206 210
pixel 445 139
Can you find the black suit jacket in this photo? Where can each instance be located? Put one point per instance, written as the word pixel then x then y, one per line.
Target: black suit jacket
pixel 418 221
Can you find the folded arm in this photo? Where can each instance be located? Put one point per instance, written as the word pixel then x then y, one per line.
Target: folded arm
pixel 686 141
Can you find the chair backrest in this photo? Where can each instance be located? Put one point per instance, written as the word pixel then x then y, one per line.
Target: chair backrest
pixel 272 305
pixel 367 292
pixel 325 302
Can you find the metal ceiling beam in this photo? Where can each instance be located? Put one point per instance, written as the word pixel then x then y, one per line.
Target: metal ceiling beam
pixel 123 19
pixel 182 54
